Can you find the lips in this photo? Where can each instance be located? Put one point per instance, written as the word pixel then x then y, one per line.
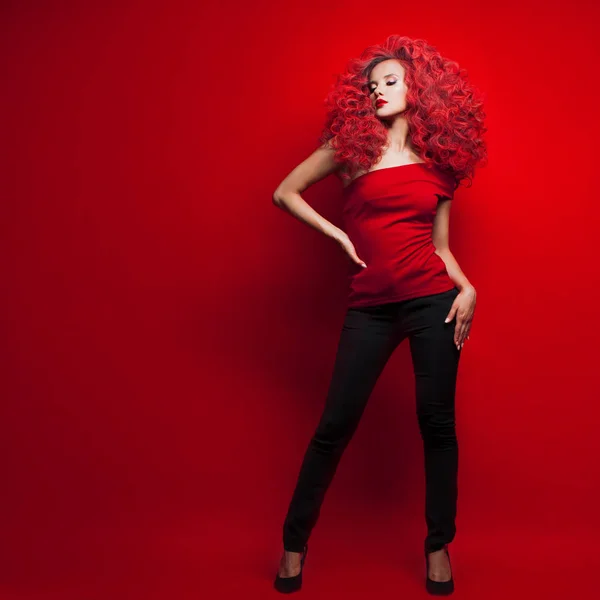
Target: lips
pixel 380 103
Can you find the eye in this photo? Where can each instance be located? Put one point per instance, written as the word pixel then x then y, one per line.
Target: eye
pixel 371 90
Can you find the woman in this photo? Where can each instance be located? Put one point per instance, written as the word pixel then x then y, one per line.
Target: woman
pixel 404 127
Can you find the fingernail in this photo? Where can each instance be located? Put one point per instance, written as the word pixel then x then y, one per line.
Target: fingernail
pixel 446 320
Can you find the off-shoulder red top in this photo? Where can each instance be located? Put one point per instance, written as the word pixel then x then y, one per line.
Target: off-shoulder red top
pixel 388 215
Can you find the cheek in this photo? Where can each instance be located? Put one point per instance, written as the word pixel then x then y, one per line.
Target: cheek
pixel 399 93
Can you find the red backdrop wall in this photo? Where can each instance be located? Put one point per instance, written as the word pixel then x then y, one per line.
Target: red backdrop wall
pixel 169 334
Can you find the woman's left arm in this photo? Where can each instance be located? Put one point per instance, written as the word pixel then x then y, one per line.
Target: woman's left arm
pixel 464 304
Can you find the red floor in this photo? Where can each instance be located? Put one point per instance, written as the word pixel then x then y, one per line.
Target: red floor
pixel 222 558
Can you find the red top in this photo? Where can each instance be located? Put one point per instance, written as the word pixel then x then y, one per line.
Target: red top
pixel 388 215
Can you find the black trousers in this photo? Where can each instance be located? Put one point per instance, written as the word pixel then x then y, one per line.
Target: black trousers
pixel 369 337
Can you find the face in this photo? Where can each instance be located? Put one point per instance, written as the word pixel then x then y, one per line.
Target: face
pixel 387 83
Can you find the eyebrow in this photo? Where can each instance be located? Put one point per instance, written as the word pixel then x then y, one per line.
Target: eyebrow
pixel 385 77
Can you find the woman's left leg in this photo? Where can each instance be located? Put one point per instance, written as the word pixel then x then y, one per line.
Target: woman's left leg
pixel 435 361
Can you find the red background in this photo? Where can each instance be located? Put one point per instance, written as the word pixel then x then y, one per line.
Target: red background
pixel 169 334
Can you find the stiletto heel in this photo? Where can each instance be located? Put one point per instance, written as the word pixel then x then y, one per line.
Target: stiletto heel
pixel 440 588
pixel 286 585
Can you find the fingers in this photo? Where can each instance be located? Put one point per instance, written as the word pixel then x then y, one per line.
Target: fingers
pixel 457 334
pixel 461 333
pixel 351 251
pixel 357 260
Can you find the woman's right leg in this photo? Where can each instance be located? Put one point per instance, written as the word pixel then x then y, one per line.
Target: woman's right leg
pixel 368 338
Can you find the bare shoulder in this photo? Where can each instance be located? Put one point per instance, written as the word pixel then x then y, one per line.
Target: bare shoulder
pixel 318 165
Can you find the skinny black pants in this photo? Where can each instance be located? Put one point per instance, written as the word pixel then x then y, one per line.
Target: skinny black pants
pixel 369 337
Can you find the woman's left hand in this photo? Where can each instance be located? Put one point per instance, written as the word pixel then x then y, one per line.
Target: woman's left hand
pixel 463 307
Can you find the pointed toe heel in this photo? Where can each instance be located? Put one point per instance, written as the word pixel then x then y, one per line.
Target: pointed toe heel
pixel 438 588
pixel 286 585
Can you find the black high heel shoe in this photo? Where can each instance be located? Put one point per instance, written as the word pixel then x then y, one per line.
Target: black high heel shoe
pixel 286 585
pixel 440 588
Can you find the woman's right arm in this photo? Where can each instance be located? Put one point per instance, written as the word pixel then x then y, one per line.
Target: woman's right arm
pixel 287 196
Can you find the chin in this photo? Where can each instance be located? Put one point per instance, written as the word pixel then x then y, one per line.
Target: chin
pixel 392 113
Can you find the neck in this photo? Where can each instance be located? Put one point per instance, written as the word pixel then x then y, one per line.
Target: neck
pixel 398 138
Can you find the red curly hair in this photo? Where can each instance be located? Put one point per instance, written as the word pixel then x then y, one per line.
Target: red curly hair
pixel 444 111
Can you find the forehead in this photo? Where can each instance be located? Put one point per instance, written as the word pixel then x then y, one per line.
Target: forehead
pixel 384 68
